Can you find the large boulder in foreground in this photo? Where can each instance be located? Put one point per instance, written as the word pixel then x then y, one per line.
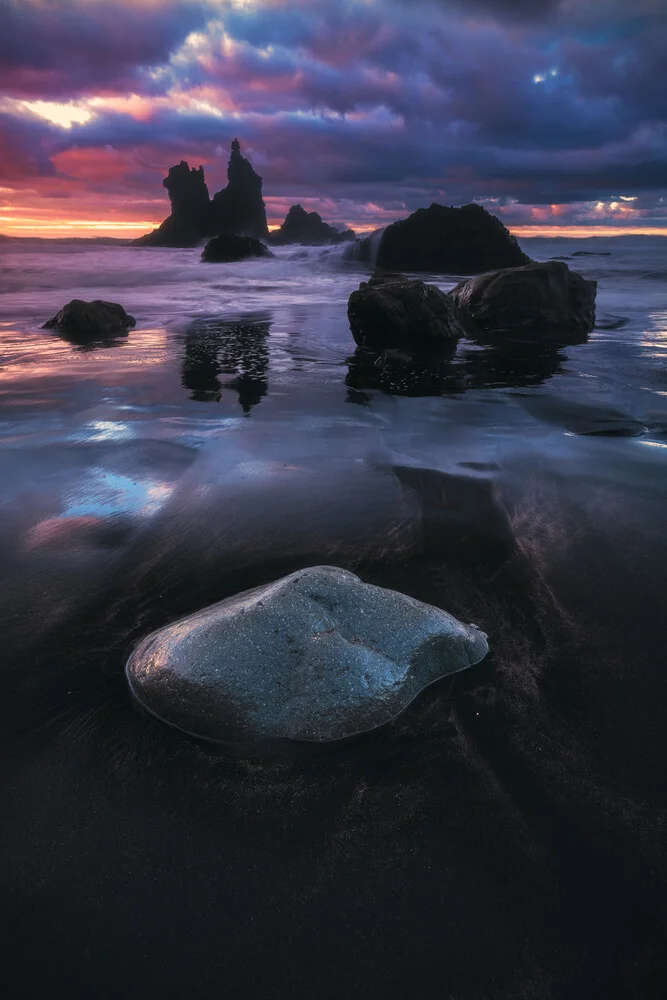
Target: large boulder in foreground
pixel 537 301
pixel 227 248
pixel 447 240
pixel 90 319
pixel 315 656
pixel 391 312
pixel 309 229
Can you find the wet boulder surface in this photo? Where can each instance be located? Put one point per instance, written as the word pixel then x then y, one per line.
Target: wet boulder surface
pixel 538 301
pixel 391 311
pixel 90 319
pixel 227 248
pixel 316 656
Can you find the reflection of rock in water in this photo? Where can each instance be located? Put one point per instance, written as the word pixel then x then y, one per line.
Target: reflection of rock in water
pixel 215 347
pixel 492 368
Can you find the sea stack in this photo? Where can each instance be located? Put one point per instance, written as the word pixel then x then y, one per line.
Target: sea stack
pixel 309 229
pixel 237 209
pixel 441 239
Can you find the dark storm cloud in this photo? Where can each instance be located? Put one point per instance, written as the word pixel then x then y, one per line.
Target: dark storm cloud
pixel 62 48
pixel 23 152
pixel 509 10
pixel 399 103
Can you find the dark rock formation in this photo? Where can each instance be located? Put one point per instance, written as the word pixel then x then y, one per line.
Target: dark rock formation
pixel 90 319
pixel 238 208
pixel 463 240
pixel 190 209
pixel 316 656
pixel 534 302
pixel 226 248
pixel 307 228
pixel 390 311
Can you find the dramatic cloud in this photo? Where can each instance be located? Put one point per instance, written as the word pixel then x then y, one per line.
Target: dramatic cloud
pixel 550 113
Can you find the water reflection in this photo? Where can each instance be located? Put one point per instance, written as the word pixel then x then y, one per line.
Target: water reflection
pixel 215 347
pixel 83 343
pixel 507 367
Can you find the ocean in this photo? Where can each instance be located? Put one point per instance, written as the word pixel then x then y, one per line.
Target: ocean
pixel 505 837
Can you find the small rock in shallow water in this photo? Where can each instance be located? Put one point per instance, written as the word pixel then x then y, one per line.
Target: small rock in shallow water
pixel 90 319
pixel 316 656
pixel 228 248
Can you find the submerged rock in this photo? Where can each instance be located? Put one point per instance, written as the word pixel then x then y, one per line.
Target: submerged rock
pixel 441 239
pixel 544 301
pixel 309 229
pixel 391 311
pixel 90 319
pixel 315 656
pixel 227 248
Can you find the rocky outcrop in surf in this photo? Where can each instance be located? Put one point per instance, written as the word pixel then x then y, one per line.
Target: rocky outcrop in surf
pixel 309 229
pixel 534 302
pixel 226 248
pixel 440 239
pixel 237 209
pixel 391 312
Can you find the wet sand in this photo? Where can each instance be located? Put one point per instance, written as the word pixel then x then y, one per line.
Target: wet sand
pixel 504 837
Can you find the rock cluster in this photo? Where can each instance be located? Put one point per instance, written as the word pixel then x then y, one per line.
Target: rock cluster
pixel 90 319
pixel 237 209
pixel 308 229
pixel 440 239
pixel 316 656
pixel 537 303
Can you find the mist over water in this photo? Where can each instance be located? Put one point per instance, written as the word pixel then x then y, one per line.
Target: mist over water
pixel 234 435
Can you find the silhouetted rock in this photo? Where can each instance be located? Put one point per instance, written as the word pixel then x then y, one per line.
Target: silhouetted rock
pixel 537 301
pixel 440 239
pixel 90 319
pixel 307 228
pixel 226 248
pixel 190 209
pixel 391 311
pixel 239 208
pixel 316 656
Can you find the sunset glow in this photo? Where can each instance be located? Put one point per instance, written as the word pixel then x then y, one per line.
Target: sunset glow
pixel 364 112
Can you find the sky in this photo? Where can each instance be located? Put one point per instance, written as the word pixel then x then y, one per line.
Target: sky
pixel 550 113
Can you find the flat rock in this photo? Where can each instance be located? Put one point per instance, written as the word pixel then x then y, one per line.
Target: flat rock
pixel 90 319
pixel 226 248
pixel 316 656
pixel 542 301
pixel 394 312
